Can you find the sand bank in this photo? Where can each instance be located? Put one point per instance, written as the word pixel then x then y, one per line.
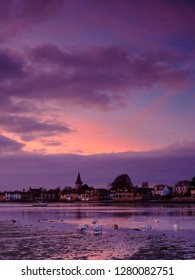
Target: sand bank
pixel 18 242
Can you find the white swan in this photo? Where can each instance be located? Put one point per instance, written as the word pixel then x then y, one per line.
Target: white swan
pixel 82 228
pixel 95 220
pixel 146 227
pixel 97 230
pixel 176 226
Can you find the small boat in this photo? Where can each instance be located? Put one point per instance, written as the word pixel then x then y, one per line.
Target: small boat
pixel 40 203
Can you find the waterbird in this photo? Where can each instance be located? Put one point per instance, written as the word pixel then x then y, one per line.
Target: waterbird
pixel 82 228
pixel 146 227
pixel 176 226
pixel 97 230
pixel 94 221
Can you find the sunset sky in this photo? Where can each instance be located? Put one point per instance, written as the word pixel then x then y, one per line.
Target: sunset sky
pixel 103 87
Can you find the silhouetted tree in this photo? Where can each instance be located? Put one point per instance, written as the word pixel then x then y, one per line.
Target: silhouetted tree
pixel 145 185
pixel 183 183
pixel 192 182
pixel 122 181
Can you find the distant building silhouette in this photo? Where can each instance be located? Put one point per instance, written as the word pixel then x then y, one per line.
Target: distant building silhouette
pixel 78 183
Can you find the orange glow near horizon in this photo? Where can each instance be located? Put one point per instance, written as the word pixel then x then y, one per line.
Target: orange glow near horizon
pixel 90 140
pixel 81 145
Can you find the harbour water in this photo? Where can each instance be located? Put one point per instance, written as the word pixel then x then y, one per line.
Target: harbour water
pixel 142 232
pixel 67 216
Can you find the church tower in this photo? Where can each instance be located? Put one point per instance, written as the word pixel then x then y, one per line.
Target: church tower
pixel 78 182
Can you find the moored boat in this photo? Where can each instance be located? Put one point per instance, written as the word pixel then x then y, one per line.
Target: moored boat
pixel 40 203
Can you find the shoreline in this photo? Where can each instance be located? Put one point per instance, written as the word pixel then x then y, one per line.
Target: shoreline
pixel 176 200
pixel 22 242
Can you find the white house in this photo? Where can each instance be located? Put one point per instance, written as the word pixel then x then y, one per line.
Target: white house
pixel 161 190
pixel 10 196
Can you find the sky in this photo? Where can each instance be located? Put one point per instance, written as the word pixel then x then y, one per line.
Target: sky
pixel 100 87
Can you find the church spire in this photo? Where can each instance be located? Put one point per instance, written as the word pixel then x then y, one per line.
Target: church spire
pixel 78 182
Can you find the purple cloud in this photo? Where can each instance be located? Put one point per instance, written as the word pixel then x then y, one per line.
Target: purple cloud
pixel 39 9
pixel 20 15
pixel 51 143
pixel 101 77
pixel 10 66
pixel 8 145
pixel 112 68
pixel 29 128
pixel 162 166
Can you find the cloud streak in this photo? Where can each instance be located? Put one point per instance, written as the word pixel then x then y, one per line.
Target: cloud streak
pixel 30 128
pixel 11 66
pixel 160 166
pixel 8 145
pixel 101 77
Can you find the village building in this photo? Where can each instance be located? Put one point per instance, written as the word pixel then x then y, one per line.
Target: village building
pixel 99 194
pixel 145 192
pixel 13 196
pixel 26 196
pixel 182 190
pixel 193 192
pixel 51 195
pixel 122 189
pixel 84 192
pixel 123 193
pixel 65 194
pixel 35 193
pixel 95 194
pixel 161 190
pixel 2 196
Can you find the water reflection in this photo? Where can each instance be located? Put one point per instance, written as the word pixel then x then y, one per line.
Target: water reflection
pixel 67 216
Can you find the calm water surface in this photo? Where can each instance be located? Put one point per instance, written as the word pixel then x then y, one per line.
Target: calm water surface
pixel 67 217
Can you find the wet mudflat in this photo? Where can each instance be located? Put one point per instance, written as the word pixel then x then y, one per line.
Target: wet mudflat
pixel 24 242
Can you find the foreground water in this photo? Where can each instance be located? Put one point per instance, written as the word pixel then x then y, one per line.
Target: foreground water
pixel 31 233
pixel 67 216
